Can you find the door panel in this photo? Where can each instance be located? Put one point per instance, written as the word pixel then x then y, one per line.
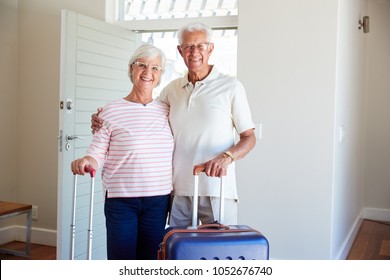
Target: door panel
pixel 94 63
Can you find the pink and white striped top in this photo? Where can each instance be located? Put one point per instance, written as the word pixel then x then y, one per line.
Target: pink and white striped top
pixel 135 147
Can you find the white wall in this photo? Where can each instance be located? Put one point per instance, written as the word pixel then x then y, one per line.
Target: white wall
pixel 288 69
pixel 377 172
pixel 349 124
pixel 8 97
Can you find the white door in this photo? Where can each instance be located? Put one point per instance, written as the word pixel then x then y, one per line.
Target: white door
pixel 94 62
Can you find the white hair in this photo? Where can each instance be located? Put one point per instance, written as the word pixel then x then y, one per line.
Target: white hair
pixel 192 27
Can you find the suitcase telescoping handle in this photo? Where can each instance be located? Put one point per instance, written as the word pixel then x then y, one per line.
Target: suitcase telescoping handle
pixel 92 173
pixel 196 171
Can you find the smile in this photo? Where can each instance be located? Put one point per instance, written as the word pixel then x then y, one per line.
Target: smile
pixel 146 79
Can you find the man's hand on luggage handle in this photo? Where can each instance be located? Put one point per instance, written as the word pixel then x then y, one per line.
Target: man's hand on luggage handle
pixel 217 167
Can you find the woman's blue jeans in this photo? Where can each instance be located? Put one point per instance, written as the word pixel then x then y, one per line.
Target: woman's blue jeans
pixel 135 226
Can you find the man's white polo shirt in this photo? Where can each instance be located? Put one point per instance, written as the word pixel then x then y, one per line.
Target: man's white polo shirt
pixel 205 118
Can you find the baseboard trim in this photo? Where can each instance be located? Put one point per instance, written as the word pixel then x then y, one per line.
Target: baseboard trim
pixel 342 254
pixel 376 214
pixel 38 235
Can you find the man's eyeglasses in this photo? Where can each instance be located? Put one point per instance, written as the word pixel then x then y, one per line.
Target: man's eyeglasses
pixel 200 47
pixel 144 66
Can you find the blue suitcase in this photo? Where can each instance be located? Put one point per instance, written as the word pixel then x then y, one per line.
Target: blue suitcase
pixel 213 241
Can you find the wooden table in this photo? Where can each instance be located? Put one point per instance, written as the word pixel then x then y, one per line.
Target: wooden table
pixel 11 209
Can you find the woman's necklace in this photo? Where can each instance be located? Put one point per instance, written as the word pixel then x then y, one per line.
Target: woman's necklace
pixel 132 99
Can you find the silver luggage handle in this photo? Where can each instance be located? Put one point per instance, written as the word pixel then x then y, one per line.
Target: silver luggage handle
pixel 92 172
pixel 195 200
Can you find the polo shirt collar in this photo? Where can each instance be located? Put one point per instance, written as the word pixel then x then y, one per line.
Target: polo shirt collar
pixel 213 75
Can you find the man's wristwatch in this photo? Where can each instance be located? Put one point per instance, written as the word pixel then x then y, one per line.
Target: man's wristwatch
pixel 229 154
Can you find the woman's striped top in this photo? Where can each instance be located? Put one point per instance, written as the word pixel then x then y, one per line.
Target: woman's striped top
pixel 135 147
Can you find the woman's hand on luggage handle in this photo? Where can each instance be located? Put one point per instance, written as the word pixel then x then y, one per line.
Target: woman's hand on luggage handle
pixel 84 165
pixel 96 122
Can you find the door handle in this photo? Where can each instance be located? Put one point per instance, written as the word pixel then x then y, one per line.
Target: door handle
pixel 73 137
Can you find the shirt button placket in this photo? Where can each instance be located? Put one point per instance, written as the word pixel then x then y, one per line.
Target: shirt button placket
pixel 192 91
pixel 195 91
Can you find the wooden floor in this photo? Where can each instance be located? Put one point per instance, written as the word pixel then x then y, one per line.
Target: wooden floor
pixel 372 243
pixel 37 252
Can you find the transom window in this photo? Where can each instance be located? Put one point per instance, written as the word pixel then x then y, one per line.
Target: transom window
pixel 167 9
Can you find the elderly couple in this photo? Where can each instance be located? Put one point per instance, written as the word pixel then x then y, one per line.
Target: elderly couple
pixel 147 148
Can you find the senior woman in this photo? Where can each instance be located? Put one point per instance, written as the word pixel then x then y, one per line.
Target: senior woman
pixel 134 149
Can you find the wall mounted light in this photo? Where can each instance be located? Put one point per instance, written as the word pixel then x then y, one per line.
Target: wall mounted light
pixel 365 24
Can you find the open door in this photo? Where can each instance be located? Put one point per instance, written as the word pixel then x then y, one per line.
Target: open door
pixel 94 63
